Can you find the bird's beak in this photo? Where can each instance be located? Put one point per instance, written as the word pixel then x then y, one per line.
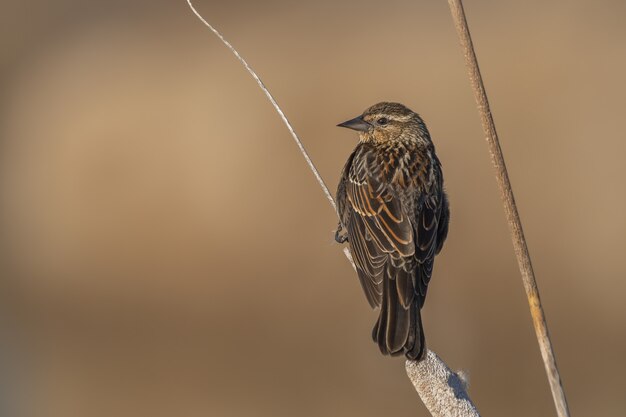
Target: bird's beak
pixel 356 124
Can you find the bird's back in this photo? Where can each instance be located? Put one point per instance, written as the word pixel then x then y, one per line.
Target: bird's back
pixel 391 201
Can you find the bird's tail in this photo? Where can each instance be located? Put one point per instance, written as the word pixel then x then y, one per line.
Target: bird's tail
pixel 398 329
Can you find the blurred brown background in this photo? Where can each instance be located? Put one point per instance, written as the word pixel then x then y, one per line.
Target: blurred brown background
pixel 166 252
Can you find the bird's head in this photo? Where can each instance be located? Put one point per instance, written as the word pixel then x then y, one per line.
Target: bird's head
pixel 387 122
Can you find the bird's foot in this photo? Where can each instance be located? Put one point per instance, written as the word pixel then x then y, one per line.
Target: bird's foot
pixel 339 236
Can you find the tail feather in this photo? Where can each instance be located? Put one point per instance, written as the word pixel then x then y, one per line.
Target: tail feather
pixel 416 346
pixel 398 329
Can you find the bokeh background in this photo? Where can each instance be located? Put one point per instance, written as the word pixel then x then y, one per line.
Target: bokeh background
pixel 166 251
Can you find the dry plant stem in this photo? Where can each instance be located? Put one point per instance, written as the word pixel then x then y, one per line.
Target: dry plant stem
pixel 295 137
pixel 441 390
pixel 515 224
pixel 280 112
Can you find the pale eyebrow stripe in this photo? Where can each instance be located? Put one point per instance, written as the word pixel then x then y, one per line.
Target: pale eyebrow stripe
pixel 392 117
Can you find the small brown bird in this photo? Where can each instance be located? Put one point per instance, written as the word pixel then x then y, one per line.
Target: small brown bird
pixel 394 214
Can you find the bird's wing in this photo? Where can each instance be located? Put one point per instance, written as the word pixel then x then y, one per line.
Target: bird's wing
pixel 431 229
pixel 367 259
pixel 378 227
pixel 371 196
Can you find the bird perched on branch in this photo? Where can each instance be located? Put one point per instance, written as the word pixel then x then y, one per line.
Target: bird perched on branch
pixel 393 212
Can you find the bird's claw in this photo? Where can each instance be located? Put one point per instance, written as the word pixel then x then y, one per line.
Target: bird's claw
pixel 339 237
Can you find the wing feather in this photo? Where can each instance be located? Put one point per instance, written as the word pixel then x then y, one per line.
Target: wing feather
pixel 390 238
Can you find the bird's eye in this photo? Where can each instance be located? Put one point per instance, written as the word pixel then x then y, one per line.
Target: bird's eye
pixel 382 121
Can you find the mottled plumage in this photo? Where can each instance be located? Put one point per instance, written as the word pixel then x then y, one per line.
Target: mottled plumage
pixel 394 214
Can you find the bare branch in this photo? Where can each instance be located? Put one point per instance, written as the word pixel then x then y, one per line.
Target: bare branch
pixel 510 208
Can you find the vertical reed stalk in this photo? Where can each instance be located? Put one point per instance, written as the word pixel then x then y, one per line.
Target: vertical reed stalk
pixel 510 208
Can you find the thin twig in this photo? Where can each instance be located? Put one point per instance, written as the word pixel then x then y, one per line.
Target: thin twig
pixel 515 224
pixel 295 137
